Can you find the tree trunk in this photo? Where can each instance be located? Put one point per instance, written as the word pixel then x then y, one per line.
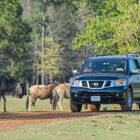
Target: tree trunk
pixel 51 77
pixel 33 80
pixel 37 79
pixel 43 35
pixel 28 8
pixel 46 79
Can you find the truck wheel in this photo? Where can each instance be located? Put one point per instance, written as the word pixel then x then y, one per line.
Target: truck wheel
pixel 94 107
pixel 75 108
pixel 138 106
pixel 127 106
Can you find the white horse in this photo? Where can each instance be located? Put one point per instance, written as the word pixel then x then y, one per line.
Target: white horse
pixel 40 91
pixel 61 91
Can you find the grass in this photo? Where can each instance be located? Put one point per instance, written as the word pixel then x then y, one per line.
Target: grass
pixel 122 126
pixel 19 105
pixel 114 126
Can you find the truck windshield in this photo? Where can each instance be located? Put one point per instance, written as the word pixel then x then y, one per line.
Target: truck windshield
pixel 105 66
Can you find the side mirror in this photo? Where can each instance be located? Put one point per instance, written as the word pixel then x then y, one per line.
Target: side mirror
pixel 136 71
pixel 75 72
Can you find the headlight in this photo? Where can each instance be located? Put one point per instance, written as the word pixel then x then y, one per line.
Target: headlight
pixel 76 83
pixel 120 82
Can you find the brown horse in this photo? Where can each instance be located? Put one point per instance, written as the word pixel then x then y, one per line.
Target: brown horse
pixel 8 84
pixel 40 91
pixel 61 91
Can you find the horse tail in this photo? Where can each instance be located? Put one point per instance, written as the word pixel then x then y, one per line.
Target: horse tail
pixel 55 99
pixel 27 101
pixel 67 90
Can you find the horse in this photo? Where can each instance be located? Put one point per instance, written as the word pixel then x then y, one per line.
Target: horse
pixel 8 84
pixel 40 91
pixel 61 91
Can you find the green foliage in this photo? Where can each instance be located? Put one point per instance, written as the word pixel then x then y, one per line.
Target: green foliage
pixel 101 26
pixel 59 25
pixel 14 35
pixel 52 58
pixel 128 28
pixel 64 34
pixel 114 29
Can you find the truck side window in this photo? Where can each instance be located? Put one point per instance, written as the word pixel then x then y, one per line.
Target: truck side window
pixel 131 65
pixel 136 64
pixel 139 62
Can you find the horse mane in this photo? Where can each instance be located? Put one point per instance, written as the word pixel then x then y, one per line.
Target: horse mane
pixel 8 78
pixel 67 88
pixel 9 81
pixel 67 85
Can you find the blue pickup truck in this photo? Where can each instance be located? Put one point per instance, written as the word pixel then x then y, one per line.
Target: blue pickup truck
pixel 110 79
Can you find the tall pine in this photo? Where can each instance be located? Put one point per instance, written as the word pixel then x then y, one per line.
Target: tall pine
pixel 14 38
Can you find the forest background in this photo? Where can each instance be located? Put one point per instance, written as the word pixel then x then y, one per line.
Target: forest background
pixel 42 41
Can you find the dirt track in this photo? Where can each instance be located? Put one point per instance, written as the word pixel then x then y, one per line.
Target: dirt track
pixel 9 121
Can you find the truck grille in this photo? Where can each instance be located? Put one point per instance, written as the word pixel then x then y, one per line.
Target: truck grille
pixel 84 84
pixel 96 84
pixel 108 83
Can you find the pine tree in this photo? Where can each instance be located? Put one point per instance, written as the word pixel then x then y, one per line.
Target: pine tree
pixel 14 37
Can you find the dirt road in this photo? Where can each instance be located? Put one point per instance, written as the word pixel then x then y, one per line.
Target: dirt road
pixel 9 121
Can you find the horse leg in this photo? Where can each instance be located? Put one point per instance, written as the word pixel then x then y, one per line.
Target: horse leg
pixel 4 99
pixel 55 100
pixel 51 107
pixel 0 101
pixel 32 102
pixel 86 106
pixel 60 103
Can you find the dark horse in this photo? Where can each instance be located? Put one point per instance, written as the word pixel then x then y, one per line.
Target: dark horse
pixel 8 84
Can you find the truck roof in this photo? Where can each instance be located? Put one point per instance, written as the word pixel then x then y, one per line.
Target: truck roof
pixel 113 56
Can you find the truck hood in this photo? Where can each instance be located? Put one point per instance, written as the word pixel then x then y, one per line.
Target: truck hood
pixel 97 76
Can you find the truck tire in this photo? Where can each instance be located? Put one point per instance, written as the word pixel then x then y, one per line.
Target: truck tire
pixel 94 107
pixel 128 101
pixel 75 108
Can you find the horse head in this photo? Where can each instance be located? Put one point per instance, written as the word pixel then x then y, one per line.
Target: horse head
pixel 19 90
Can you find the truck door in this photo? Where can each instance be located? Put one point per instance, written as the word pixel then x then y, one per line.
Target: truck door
pixel 136 79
